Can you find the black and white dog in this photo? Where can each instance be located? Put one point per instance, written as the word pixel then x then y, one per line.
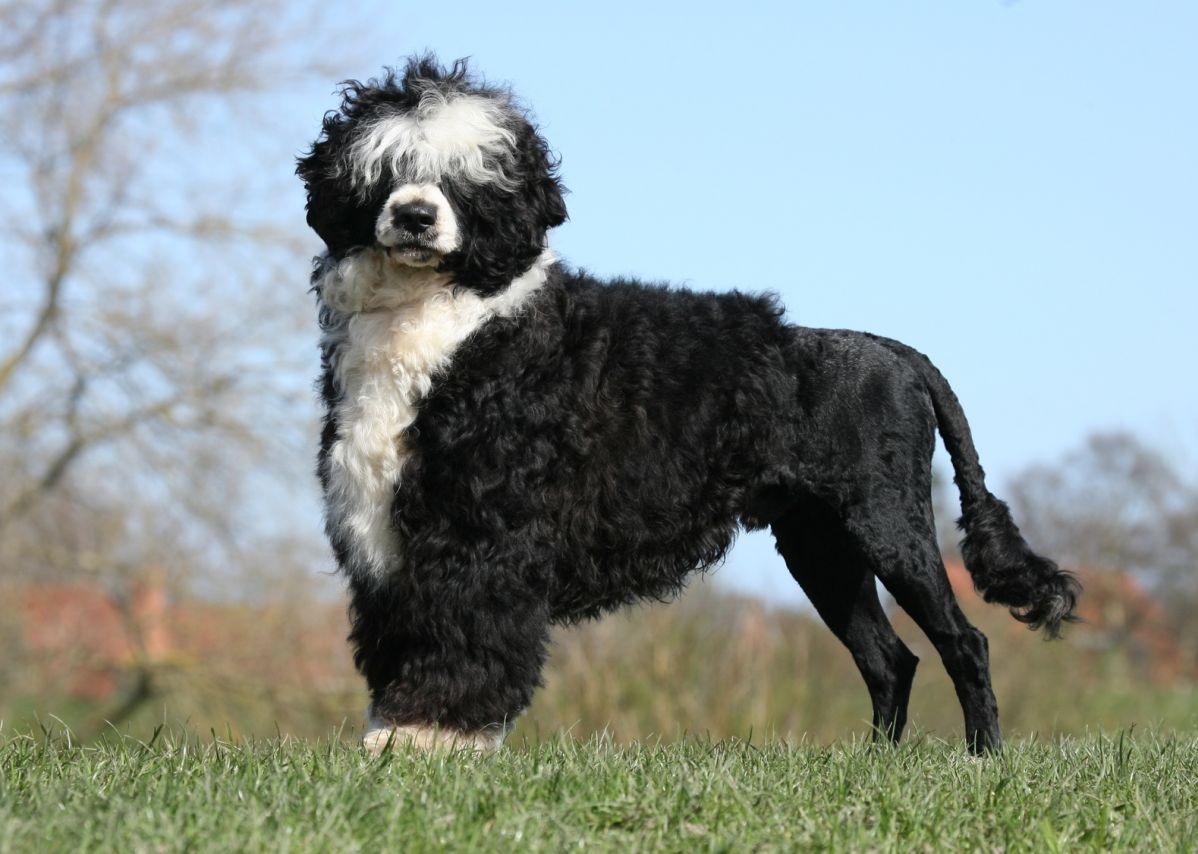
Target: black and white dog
pixel 510 444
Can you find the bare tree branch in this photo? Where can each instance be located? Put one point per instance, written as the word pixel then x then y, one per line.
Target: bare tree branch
pixel 154 341
pixel 137 337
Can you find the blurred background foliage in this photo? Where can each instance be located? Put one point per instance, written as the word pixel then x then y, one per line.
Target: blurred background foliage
pixel 156 421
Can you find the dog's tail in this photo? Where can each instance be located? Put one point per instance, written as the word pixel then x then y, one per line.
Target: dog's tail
pixel 1004 568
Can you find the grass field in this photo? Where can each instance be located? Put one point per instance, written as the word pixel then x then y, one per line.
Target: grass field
pixel 1104 792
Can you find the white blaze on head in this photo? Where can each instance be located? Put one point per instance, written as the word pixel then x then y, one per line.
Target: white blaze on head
pixel 467 136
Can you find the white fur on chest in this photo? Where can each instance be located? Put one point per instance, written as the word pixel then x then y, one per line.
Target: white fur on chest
pixel 395 328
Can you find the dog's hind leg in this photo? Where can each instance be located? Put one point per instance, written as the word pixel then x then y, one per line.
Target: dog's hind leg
pixel 912 570
pixel 837 579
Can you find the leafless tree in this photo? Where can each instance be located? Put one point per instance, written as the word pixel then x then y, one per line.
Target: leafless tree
pixel 154 355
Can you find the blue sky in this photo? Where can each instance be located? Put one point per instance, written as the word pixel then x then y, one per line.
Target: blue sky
pixel 1011 187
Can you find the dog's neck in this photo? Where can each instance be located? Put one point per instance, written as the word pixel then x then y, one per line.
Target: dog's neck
pixel 368 282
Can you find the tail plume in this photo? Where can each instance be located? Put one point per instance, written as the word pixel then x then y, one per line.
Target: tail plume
pixel 1004 568
pixel 1007 571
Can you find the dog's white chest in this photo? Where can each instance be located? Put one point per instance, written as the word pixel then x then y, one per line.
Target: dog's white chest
pixel 383 367
pixel 384 362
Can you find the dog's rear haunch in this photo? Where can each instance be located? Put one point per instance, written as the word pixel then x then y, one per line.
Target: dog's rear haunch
pixel 510 444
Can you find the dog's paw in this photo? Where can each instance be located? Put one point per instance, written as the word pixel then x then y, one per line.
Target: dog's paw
pixel 380 736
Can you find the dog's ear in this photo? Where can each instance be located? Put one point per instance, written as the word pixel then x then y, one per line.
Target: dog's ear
pixel 337 216
pixel 543 190
pixel 549 199
pixel 314 170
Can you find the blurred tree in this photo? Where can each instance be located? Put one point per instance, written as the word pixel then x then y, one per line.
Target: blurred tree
pixel 154 351
pixel 136 291
pixel 1116 503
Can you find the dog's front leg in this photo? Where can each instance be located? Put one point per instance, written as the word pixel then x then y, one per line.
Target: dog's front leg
pixel 450 673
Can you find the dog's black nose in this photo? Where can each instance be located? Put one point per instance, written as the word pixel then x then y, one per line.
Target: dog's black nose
pixel 415 217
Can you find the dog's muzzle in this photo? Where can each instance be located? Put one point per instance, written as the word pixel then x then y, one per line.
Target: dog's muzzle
pixel 417 226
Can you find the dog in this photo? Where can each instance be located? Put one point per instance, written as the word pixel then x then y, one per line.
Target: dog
pixel 510 444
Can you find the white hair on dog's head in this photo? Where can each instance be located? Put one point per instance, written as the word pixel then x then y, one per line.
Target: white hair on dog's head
pixel 464 136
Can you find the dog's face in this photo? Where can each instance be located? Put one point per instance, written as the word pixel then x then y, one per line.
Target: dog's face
pixel 430 169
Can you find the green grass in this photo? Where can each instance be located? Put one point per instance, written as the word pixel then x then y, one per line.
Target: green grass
pixel 208 795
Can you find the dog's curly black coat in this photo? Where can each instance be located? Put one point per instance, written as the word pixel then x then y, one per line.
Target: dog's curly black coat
pixel 610 438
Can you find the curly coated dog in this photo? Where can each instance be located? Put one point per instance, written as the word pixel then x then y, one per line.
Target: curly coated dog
pixel 510 444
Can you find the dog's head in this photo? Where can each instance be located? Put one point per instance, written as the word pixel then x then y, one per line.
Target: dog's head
pixel 430 168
